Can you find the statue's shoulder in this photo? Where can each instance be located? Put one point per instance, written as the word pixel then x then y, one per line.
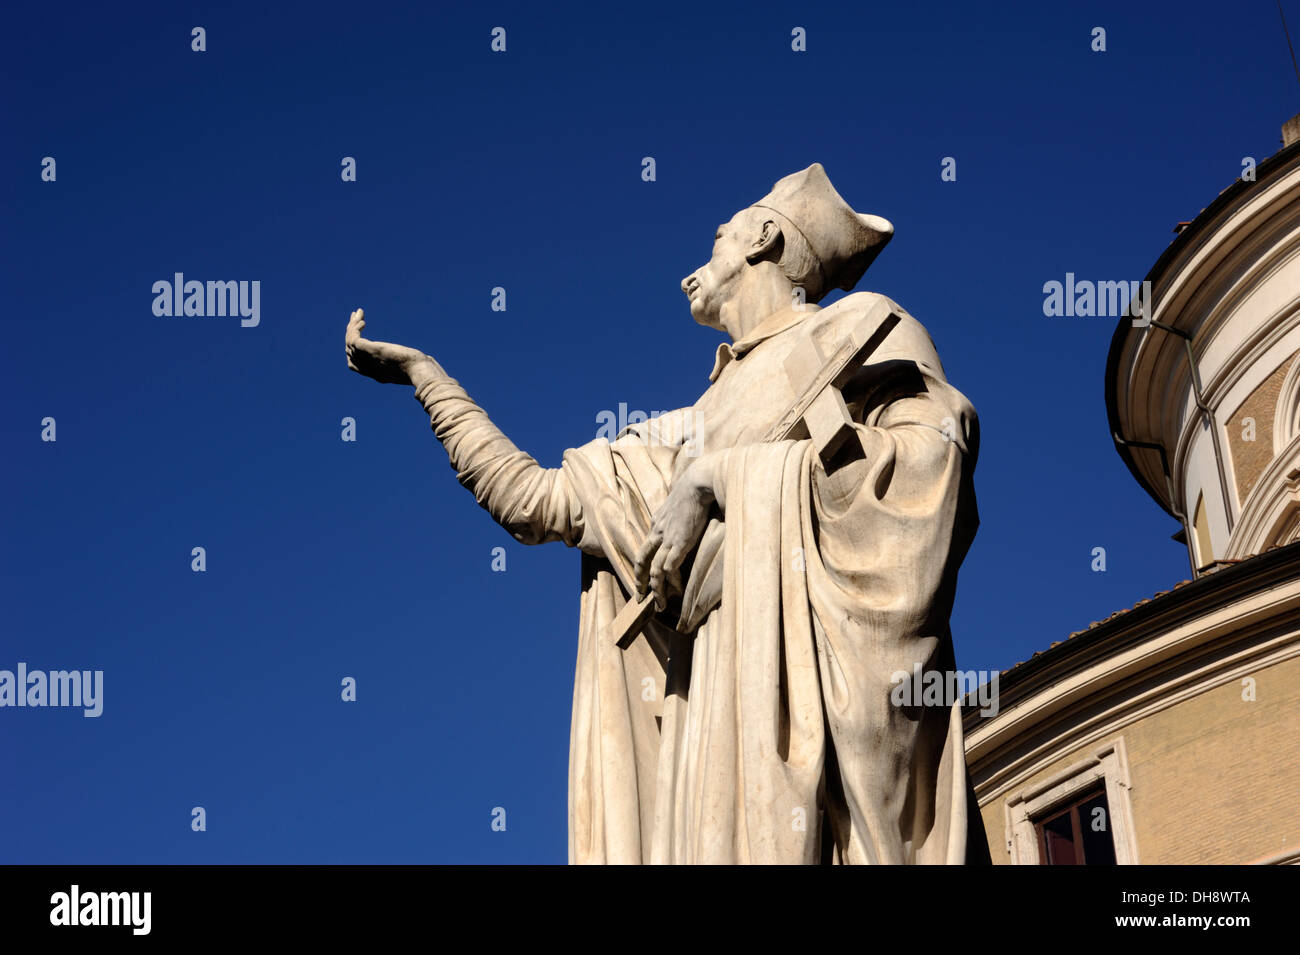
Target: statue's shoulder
pixel 908 344
pixel 908 340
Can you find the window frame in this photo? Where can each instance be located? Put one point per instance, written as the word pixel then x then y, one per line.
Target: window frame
pixel 1108 765
pixel 1075 812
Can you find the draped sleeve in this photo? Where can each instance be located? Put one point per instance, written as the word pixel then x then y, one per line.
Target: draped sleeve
pixel 536 505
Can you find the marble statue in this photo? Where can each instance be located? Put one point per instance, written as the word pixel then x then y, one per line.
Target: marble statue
pixel 757 568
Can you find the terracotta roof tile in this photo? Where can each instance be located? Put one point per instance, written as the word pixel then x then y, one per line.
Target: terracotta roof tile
pixel 1122 611
pixel 1098 623
pixel 1145 600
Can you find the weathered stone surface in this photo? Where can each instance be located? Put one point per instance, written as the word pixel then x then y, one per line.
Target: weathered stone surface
pixel 789 572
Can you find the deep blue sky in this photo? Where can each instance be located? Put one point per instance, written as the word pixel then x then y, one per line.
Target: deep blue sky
pixel 328 559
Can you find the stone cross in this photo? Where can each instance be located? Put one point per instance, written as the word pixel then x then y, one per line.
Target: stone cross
pixel 819 409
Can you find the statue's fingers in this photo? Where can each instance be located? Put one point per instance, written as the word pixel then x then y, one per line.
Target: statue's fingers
pixel 657 577
pixel 355 324
pixel 673 566
pixel 676 555
pixel 641 567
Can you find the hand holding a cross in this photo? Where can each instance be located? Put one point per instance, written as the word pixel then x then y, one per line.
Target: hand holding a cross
pixel 676 529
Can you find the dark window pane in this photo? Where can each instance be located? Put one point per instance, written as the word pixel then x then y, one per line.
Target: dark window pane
pixel 1094 825
pixel 1058 837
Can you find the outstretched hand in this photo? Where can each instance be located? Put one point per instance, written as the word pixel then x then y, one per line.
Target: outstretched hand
pixel 384 361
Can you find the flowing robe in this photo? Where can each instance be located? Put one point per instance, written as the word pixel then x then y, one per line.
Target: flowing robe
pixel 754 723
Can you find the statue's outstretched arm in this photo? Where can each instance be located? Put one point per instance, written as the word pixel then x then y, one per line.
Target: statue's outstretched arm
pixel 535 504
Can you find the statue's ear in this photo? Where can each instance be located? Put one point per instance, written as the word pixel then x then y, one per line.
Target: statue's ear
pixel 767 245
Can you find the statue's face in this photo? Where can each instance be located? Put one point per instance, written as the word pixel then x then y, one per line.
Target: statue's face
pixel 709 286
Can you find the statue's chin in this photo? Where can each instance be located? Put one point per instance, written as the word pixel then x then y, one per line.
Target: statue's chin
pixel 704 318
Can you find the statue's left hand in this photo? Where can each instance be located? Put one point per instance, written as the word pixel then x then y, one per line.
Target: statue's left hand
pixel 674 532
pixel 383 361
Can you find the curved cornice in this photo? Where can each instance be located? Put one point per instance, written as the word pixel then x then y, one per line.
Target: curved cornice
pixel 1172 647
pixel 1203 239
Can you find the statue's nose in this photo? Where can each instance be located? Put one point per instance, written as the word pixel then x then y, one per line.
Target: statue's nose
pixel 689 283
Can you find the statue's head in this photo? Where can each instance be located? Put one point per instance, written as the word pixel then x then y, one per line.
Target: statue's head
pixel 802 233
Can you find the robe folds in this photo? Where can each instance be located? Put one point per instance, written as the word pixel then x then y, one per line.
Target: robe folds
pixel 754 723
